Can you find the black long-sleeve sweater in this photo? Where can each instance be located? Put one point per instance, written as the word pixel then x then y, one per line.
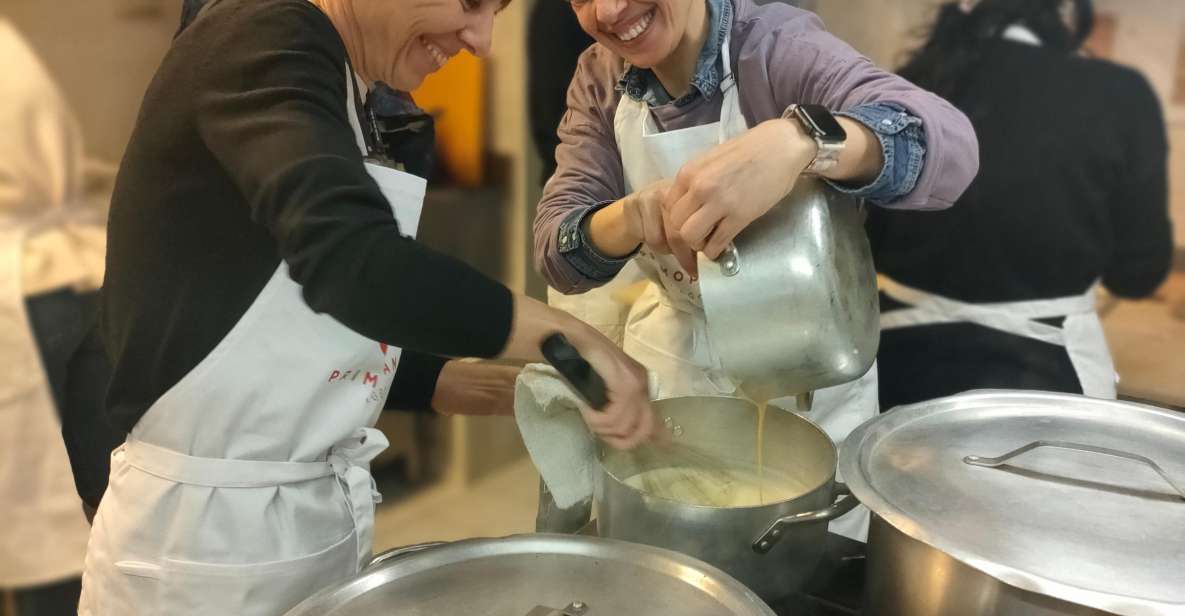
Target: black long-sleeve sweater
pixel 1072 189
pixel 243 155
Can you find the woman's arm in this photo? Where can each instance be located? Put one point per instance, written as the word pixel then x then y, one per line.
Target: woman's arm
pixel 588 178
pixel 787 58
pixel 798 61
pixel 1139 216
pixel 276 120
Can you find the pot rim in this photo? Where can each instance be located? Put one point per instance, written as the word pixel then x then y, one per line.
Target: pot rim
pixel 448 553
pixel 828 481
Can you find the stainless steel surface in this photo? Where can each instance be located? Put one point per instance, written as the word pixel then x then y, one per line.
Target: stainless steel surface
pixel 1081 529
pixel 1114 453
pixel 844 503
pixel 794 307
pixel 726 429
pixel 576 608
pixel 551 518
pixel 906 577
pixel 520 575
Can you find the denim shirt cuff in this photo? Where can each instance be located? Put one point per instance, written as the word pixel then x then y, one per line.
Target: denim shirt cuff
pixel 903 145
pixel 578 250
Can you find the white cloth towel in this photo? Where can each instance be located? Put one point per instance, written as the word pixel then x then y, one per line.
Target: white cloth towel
pixel 564 451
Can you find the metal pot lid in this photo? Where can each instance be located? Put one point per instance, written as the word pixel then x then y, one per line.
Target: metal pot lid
pixel 1076 498
pixel 539 575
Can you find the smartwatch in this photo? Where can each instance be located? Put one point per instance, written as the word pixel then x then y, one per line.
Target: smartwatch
pixel 820 125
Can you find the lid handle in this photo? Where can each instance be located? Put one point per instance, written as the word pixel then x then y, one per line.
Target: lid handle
pixel 396 553
pixel 1000 460
pixel 575 608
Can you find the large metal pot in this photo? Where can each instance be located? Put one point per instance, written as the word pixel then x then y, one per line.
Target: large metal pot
pixel 535 575
pixel 792 305
pixel 771 548
pixel 1002 503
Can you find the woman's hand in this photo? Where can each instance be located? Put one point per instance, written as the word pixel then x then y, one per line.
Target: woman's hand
pixel 720 192
pixel 628 419
pixel 617 229
pixel 475 388
pixel 717 194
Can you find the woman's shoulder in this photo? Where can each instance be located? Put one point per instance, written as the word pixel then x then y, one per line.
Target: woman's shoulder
pixel 757 24
pixel 271 24
pixel 597 72
pixel 1107 82
pixel 271 11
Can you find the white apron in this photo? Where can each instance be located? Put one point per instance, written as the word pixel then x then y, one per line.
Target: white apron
pixel 1081 333
pixel 666 329
pixel 43 532
pixel 246 487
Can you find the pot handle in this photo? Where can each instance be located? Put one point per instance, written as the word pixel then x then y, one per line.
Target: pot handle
pixel 1115 453
pixel 843 503
pixel 396 553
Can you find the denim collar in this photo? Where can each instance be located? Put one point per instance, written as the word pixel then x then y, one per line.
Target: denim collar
pixel 642 84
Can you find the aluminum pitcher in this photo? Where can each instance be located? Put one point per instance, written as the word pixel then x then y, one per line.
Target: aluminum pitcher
pixel 792 304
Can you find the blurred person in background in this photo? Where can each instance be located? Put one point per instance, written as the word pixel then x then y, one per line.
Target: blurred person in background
pixel 51 261
pixel 998 291
pixel 554 44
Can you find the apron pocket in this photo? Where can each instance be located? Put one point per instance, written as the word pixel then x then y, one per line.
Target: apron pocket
pixel 251 589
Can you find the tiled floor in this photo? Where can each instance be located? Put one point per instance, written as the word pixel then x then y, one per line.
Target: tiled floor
pixel 503 503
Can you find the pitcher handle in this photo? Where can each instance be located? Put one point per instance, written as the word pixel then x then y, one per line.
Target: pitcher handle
pixel 843 502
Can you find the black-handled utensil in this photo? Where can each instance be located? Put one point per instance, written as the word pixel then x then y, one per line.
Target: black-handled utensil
pixel 576 370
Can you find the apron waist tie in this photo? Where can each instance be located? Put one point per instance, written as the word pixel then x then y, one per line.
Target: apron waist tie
pixel 348 460
pixel 1020 318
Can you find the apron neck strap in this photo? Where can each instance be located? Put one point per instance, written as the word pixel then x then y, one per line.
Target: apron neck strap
pixel 732 120
pixel 728 82
pixel 367 123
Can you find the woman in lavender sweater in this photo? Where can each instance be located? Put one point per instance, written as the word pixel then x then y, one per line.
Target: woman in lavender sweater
pixel 674 141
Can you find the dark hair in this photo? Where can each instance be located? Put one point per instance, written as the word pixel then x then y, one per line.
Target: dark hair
pixel 957 40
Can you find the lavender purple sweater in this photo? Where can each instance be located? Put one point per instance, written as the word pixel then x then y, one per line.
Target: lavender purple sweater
pixel 781 55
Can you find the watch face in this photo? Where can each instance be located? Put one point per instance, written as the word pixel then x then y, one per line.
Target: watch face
pixel 822 122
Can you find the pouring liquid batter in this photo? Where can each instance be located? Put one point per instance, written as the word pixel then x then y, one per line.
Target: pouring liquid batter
pixel 761 408
pixel 694 477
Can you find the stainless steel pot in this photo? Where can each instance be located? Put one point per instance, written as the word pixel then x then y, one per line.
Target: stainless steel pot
pixel 1022 504
pixel 535 575
pixel 792 305
pixel 771 548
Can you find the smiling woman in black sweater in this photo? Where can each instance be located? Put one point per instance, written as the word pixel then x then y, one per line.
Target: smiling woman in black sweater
pixel 1072 190
pixel 262 277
